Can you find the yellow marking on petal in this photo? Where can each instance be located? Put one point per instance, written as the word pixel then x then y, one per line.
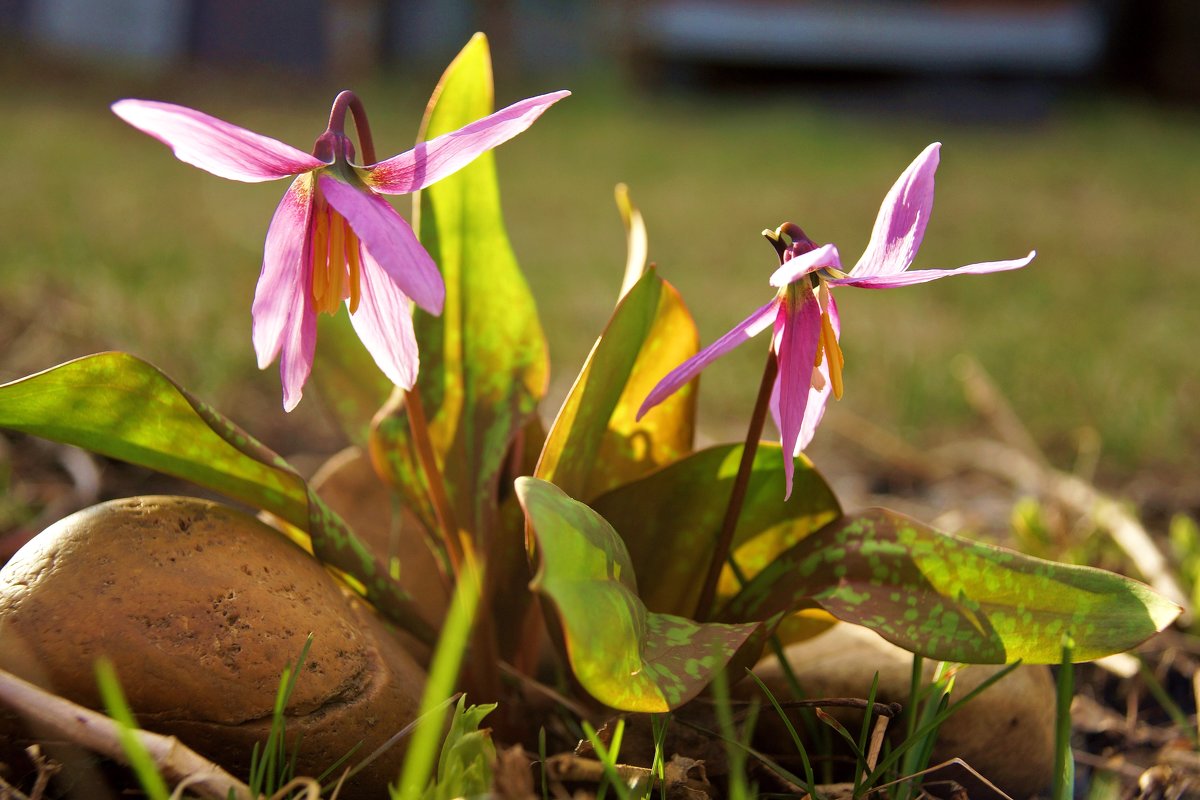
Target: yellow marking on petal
pixel 829 344
pixel 320 257
pixel 355 264
pixel 337 263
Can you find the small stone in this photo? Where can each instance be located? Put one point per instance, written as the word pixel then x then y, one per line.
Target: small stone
pixel 1006 733
pixel 200 607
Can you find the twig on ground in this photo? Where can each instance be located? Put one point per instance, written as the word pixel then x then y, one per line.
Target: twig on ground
pixel 98 733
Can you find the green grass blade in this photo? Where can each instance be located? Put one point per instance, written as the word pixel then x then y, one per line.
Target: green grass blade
pixel 115 705
pixel 443 674
pixel 1064 760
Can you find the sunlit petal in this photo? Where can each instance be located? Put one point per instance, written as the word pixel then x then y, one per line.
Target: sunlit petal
pixel 797 332
pixel 214 145
pixel 296 356
pixel 751 326
pixel 926 275
pixel 389 239
pixel 902 218
pixel 446 154
pixel 824 256
pixel 282 282
pixel 384 324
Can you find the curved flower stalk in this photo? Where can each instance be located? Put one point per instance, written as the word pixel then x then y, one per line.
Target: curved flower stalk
pixel 334 238
pixel 804 316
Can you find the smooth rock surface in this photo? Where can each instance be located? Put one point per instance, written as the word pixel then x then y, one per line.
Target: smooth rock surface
pixel 1006 733
pixel 200 607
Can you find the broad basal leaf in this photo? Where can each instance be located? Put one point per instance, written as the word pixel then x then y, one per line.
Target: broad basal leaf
pixel 670 520
pixel 596 443
pixel 120 406
pixel 953 599
pixel 623 655
pixel 483 361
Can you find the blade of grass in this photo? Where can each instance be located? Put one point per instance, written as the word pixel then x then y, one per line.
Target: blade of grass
pixel 443 673
pixel 139 758
pixel 809 783
pixel 938 719
pixel 608 760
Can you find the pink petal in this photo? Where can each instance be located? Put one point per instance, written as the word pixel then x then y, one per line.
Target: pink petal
pixel 790 271
pixel 797 332
pixel 903 215
pixel 814 411
pixel 214 145
pixel 431 161
pixel 384 324
pixel 751 326
pixel 283 281
pixel 926 275
pixel 299 344
pixel 390 240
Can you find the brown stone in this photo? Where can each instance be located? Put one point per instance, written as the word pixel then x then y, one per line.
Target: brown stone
pixel 200 608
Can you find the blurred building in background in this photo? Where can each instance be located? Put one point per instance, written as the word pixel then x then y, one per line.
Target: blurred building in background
pixel 1154 44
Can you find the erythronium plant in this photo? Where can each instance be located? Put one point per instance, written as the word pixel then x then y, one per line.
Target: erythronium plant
pixel 609 513
pixel 333 238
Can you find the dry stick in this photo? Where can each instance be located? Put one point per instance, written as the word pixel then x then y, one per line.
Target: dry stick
pixel 98 733
pixel 740 483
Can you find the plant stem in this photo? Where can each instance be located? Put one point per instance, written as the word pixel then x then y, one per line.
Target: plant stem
pixel 348 100
pixel 419 427
pixel 740 484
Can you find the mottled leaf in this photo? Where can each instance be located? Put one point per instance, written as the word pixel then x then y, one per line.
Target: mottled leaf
pixel 596 442
pixel 670 519
pixel 483 361
pixel 623 655
pixel 953 599
pixel 120 406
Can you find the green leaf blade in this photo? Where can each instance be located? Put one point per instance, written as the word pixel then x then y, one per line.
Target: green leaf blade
pixel 120 406
pixel 597 443
pixel 953 599
pixel 622 654
pixel 671 519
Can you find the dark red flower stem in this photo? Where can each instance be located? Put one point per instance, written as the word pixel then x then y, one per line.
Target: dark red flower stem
pixel 349 101
pixel 740 484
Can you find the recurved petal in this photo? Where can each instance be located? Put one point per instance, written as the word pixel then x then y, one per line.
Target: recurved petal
pixel 384 324
pixel 902 218
pixel 214 145
pixel 390 240
pixel 283 282
pixel 824 256
pixel 926 275
pixel 433 160
pixel 299 345
pixel 797 332
pixel 751 326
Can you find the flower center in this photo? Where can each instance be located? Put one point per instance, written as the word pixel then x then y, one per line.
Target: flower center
pixel 335 259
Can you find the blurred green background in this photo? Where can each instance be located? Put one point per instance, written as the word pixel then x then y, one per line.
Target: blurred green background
pixel 106 241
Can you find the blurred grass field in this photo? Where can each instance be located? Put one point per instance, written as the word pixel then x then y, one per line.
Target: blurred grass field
pixel 106 241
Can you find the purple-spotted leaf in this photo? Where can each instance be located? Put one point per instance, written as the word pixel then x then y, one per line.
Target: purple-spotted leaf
pixel 596 441
pixel 670 519
pixel 120 406
pixel 483 361
pixel 623 655
pixel 953 599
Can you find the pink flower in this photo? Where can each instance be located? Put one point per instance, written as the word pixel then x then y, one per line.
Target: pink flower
pixel 805 317
pixel 334 238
